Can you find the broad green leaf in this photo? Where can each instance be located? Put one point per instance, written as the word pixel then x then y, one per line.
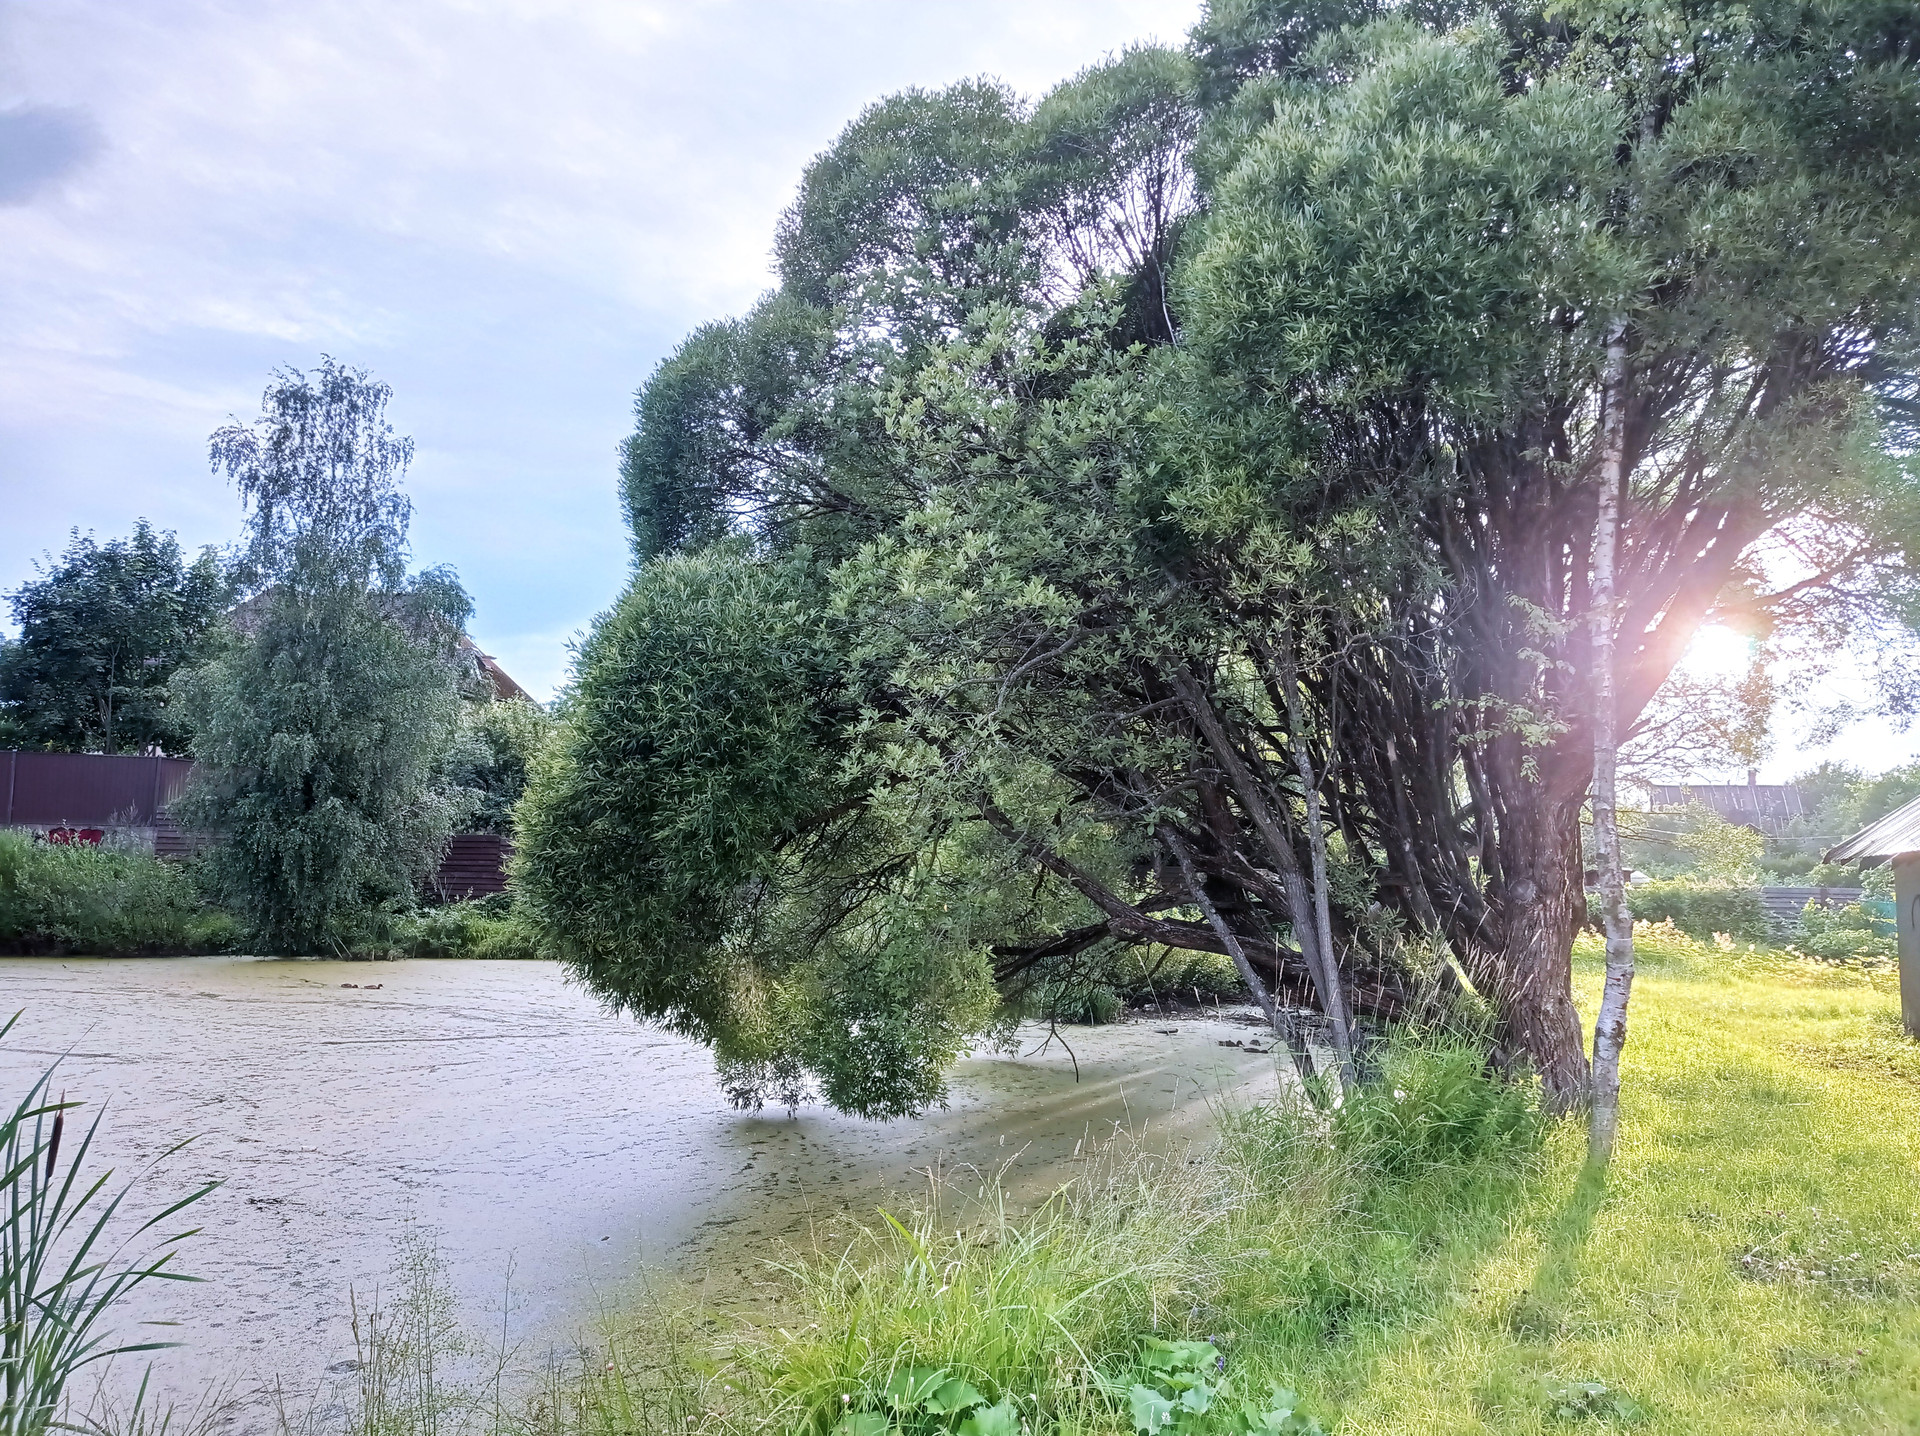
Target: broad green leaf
pixel 1159 1355
pixel 1152 1412
pixel 954 1395
pixel 863 1423
pixel 1197 1397
pixel 997 1420
pixel 911 1386
pixel 1278 1416
pixel 1627 1409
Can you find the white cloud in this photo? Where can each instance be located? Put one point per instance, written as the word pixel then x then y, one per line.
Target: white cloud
pixel 509 210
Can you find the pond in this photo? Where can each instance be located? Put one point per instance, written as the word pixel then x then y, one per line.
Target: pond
pixel 552 1151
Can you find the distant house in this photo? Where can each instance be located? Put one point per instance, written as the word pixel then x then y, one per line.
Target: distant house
pixel 504 688
pixel 1765 807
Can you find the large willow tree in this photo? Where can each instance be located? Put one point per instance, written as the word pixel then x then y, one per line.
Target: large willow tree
pixel 1164 516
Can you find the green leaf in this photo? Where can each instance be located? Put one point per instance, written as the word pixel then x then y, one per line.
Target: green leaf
pixel 1280 1416
pixel 1152 1412
pixel 997 1420
pixel 1197 1397
pixel 954 1395
pixel 912 1386
pixel 1158 1355
pixel 863 1423
pixel 1627 1409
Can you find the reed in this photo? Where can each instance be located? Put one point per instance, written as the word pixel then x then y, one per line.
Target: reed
pixel 62 1274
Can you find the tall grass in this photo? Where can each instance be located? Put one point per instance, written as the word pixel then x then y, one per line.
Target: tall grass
pixel 60 1279
pixel 56 898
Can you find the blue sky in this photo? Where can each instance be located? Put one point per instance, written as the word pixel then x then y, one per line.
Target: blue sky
pixel 510 211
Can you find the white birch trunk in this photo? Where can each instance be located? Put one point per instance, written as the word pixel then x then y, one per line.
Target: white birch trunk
pixel 1610 1027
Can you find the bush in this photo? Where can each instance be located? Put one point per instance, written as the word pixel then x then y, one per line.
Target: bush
pixel 1846 934
pixel 102 902
pixel 484 927
pixel 1700 909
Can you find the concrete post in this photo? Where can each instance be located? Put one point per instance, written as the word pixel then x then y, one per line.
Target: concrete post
pixel 1906 915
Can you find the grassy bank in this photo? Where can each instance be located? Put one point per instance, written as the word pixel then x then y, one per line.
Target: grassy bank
pixel 1430 1262
pixel 59 899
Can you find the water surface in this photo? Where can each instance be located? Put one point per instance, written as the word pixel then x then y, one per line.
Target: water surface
pixel 535 1134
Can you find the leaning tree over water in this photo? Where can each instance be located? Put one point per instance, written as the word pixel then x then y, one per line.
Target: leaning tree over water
pixel 1165 515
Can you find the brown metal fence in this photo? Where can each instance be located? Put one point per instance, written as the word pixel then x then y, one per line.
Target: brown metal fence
pixel 87 790
pixel 84 793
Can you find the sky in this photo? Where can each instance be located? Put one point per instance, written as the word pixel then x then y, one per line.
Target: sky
pixel 510 210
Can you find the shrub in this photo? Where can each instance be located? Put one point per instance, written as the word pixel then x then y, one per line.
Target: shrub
pixel 1846 934
pixel 1700 909
pixel 102 901
pixel 483 927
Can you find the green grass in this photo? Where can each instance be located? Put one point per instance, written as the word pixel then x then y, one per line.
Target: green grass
pixel 1432 1262
pixel 1751 1264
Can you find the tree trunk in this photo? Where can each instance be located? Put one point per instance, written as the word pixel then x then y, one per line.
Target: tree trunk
pixel 1610 1027
pixel 1316 838
pixel 1321 964
pixel 1532 974
pixel 1285 1028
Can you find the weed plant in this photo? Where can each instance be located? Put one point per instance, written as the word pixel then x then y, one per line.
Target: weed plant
pixel 57 898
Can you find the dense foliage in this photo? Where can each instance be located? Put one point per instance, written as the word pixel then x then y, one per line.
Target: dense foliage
pixel 1163 515
pixel 72 898
pixel 324 731
pixel 500 738
pixel 1701 909
pixel 103 632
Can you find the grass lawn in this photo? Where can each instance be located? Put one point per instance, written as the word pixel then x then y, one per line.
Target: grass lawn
pixel 1753 1264
pixel 1431 1261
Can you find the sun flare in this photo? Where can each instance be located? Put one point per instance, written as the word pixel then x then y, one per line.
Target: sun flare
pixel 1717 651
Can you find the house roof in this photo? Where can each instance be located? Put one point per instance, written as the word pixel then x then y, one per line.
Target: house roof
pixel 1897 833
pixel 504 688
pixel 1769 807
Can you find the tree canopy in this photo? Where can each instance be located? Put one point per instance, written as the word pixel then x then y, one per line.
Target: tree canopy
pixel 1164 515
pixel 325 729
pixel 103 632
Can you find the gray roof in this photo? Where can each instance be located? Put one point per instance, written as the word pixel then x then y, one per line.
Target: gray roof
pixel 1898 832
pixel 1767 807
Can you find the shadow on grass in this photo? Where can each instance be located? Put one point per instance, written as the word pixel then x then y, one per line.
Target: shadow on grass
pixel 1539 1313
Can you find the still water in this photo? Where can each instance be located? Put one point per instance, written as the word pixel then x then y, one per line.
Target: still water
pixel 552 1150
